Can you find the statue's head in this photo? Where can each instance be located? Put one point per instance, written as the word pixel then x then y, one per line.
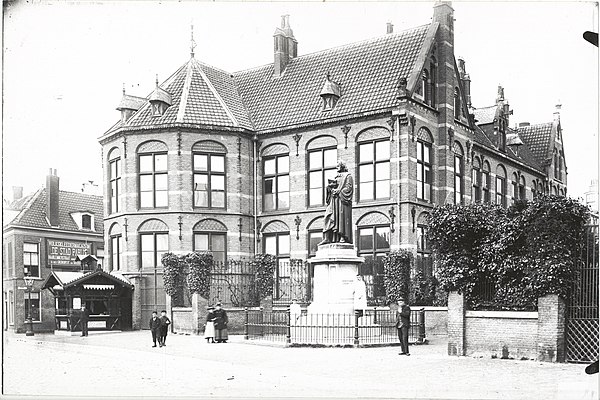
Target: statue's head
pixel 341 166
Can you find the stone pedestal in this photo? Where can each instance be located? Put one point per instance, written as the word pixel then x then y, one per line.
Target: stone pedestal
pixel 335 269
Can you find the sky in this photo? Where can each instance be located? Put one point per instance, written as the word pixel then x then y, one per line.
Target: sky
pixel 65 64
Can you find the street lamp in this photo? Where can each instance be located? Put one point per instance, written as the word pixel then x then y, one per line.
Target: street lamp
pixel 29 284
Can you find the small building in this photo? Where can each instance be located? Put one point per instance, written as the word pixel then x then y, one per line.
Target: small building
pixel 48 231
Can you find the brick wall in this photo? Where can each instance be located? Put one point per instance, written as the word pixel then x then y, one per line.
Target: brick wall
pixel 456 324
pixel 551 329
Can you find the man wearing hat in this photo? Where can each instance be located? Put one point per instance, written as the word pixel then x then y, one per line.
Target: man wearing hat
pixel 221 320
pixel 403 324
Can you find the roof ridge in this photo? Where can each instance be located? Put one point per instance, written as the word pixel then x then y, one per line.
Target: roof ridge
pixel 79 193
pixel 218 96
pixel 27 205
pixel 533 125
pixel 340 47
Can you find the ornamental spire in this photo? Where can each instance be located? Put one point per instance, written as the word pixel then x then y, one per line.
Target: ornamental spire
pixel 193 42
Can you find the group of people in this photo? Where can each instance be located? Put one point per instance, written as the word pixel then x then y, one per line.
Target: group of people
pixel 159 326
pixel 216 325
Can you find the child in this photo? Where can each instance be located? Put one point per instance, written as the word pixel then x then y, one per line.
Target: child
pixel 209 331
pixel 164 325
pixel 155 327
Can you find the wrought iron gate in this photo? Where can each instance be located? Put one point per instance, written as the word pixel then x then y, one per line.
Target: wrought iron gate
pixel 582 308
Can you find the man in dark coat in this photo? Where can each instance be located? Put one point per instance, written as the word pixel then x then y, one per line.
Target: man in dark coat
pixel 85 317
pixel 221 320
pixel 403 325
pixel 164 327
pixel 155 327
pixel 337 223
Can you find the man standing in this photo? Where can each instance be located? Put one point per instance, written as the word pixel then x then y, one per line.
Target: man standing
pixel 337 223
pixel 164 327
pixel 85 316
pixel 155 327
pixel 360 296
pixel 403 325
pixel 221 321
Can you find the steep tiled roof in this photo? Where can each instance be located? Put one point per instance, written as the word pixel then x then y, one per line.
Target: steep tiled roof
pixel 537 137
pixel 367 72
pixel 131 102
pixel 485 115
pixel 69 202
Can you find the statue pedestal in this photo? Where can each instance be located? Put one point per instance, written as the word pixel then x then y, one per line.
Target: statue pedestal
pixel 335 269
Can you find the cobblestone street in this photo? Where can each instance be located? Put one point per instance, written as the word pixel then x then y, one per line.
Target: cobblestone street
pixel 125 364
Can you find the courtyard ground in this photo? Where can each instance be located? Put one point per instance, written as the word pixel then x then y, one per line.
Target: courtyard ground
pixel 125 364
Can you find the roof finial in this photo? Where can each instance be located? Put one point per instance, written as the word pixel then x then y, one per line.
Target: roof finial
pixel 156 80
pixel 193 42
pixel 123 88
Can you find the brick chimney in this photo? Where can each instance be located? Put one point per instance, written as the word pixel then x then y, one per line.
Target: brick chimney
pixel 52 184
pixel 465 79
pixel 286 46
pixel 389 27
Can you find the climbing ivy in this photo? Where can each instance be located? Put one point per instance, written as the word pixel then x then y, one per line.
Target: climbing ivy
pixel 396 279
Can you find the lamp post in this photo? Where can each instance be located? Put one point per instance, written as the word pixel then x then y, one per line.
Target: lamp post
pixel 29 284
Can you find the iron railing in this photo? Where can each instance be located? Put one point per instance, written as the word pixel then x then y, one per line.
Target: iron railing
pixel 375 327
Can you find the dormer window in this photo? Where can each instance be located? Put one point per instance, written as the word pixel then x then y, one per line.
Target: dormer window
pixel 330 94
pixel 84 220
pixel 160 100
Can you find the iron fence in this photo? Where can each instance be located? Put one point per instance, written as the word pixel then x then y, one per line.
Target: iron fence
pixel 233 283
pixel 375 327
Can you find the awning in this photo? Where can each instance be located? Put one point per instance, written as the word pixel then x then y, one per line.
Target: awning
pixel 99 287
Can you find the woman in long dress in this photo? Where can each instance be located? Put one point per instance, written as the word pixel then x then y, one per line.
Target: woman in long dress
pixel 209 331
pixel 221 321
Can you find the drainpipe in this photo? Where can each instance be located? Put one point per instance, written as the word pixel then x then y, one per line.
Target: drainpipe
pixel 254 193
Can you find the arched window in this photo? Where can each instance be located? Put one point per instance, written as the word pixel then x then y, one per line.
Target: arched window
pixel 276 241
pixel 486 182
pixel 373 244
pixel 209 174
pixel 276 177
pixel 476 178
pixel 315 235
pixel 114 178
pixel 374 164
pixel 457 105
pixel 153 175
pixel 522 186
pixel 153 243
pixel 515 188
pixel 322 160
pixel 432 82
pixel 560 167
pixel 556 167
pixel 211 235
pixel 425 87
pixel 424 262
pixel 458 174
pixel 424 167
pixel 501 185
pixel 116 246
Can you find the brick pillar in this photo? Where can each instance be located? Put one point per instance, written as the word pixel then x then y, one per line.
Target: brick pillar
pixel 136 302
pixel 199 311
pixel 551 329
pixel 456 324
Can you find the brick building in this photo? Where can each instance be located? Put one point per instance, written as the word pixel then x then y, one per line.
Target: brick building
pixel 42 233
pixel 236 163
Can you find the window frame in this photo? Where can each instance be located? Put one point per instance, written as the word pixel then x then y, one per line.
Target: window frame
pixel 477 183
pixel 422 164
pixel 374 162
pixel 209 173
pixel 26 267
pixel 114 206
pixel 26 306
pixel 459 195
pixel 154 173
pixel 279 258
pixel 323 169
pixel 374 252
pixel 119 240
pixel 157 264
pixel 275 177
pixel 210 235
pixel 501 196
pixel 310 232
pixel 424 250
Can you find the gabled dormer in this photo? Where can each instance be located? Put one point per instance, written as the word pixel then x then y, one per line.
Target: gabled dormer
pixel 159 100
pixel 330 94
pixel 84 220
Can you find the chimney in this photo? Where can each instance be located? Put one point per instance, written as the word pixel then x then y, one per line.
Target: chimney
pixel 286 46
pixel 389 27
pixel 444 14
pixel 52 182
pixel 466 80
pixel 17 192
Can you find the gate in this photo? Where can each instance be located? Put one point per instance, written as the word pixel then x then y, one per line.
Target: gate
pixel 582 307
pixel 291 282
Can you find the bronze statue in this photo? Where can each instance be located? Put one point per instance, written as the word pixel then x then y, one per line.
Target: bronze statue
pixel 337 224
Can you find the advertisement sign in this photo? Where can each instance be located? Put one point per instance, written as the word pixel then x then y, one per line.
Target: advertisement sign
pixel 65 252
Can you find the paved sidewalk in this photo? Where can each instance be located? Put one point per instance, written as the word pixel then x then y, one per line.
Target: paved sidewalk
pixel 125 364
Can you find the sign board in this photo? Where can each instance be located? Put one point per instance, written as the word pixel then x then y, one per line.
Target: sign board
pixel 97 324
pixel 66 251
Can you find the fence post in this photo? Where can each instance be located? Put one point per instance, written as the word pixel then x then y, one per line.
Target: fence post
pixel 421 319
pixel 375 315
pixel 356 340
pixel 262 325
pixel 246 323
pixel 289 329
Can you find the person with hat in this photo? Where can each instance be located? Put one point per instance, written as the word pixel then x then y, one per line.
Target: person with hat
pixel 164 328
pixel 209 330
pixel 403 325
pixel 221 320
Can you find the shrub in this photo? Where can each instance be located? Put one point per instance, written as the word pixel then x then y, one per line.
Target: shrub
pixel 264 265
pixel 396 278
pixel 173 277
pixel 198 277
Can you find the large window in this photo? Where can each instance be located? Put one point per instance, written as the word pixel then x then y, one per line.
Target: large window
pixel 31 259
pixel 501 187
pixel 373 245
pixel 486 182
pixel 35 306
pixel 209 180
pixel 432 82
pixel 522 186
pixel 214 242
pixel 153 180
pixel 423 171
pixel 276 182
pixel 424 260
pixel 458 179
pixel 152 247
pixel 476 179
pixel 515 189
pixel 115 185
pixel 321 168
pixel 116 252
pixel 278 244
pixel 314 238
pixel 374 170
